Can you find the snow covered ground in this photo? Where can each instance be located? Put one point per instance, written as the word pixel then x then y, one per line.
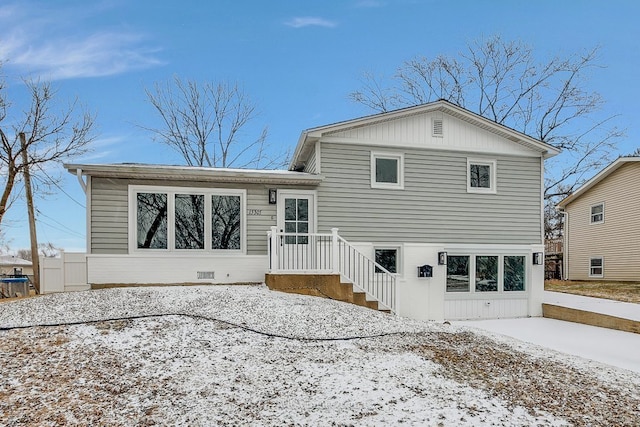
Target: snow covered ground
pixel 243 355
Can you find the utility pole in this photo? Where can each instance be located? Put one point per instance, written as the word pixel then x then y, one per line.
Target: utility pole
pixel 35 261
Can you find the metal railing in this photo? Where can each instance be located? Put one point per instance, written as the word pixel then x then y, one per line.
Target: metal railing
pixel 330 253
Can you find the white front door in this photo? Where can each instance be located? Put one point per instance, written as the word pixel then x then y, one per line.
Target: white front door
pixel 296 218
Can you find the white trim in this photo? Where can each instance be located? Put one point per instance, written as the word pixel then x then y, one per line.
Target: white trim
pixel 601 258
pixel 171 192
pixel 492 163
pixel 399 157
pixel 300 194
pixel 318 161
pixel 399 256
pixel 591 214
pixel 87 214
pixel 473 254
pixel 440 146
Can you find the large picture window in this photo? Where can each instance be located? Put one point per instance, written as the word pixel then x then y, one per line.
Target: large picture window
pixel 514 273
pixel 487 273
pixel 189 221
pixel 458 273
pixel 151 220
pixel 180 219
pixel 225 222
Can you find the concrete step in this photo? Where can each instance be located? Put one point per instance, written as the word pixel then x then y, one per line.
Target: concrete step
pixel 321 285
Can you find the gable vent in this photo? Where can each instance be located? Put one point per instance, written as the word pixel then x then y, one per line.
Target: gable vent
pixel 206 275
pixel 438 127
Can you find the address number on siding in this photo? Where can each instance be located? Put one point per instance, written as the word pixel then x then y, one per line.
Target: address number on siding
pixel 254 212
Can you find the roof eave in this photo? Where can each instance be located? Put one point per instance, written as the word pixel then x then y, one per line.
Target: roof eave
pixel 595 180
pixel 202 175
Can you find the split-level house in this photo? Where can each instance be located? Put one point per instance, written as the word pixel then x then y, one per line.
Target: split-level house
pixel 601 227
pixel 432 211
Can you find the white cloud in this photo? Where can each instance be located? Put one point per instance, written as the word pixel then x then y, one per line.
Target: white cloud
pixel 55 55
pixel 308 21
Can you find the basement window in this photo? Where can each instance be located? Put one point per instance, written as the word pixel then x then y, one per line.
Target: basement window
pixel 596 267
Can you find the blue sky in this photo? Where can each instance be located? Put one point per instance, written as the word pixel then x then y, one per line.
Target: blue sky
pixel 297 60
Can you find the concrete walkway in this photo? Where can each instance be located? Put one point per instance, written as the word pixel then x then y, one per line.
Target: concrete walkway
pixel 612 347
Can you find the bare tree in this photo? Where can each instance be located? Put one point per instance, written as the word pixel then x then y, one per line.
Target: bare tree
pixel 206 124
pixel 502 81
pixel 52 135
pixel 45 250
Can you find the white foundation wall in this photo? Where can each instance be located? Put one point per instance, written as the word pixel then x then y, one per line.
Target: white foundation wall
pixel 427 299
pixel 154 269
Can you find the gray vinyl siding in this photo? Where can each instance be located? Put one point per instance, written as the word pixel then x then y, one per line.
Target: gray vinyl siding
pixel 311 164
pixel 617 239
pixel 434 206
pixel 110 213
pixel 109 216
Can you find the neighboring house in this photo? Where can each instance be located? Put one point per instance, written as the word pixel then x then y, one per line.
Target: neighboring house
pixel 601 227
pixel 14 266
pixel 433 186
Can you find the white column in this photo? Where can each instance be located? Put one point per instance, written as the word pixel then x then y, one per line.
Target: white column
pixel 273 261
pixel 335 265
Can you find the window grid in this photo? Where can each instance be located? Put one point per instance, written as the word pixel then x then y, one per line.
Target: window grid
pixel 597 213
pixel 596 267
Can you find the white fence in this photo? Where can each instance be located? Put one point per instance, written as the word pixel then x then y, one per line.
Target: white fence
pixel 65 273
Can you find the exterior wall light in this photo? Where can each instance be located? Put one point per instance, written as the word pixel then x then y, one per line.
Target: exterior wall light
pixel 442 258
pixel 538 258
pixel 273 196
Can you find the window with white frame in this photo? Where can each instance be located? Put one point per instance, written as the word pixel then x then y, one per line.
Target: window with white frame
pixel 387 170
pixel 458 273
pixel 481 176
pixel 596 267
pixel 176 219
pixel 388 258
pixel 488 273
pixel 597 213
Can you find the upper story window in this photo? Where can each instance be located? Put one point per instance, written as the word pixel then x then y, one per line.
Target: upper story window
pixel 387 170
pixel 176 219
pixel 597 213
pixel 481 176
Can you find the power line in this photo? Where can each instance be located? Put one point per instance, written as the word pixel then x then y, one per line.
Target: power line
pixel 66 229
pixel 52 181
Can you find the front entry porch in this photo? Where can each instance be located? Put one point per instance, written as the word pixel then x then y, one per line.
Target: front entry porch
pixel 327 265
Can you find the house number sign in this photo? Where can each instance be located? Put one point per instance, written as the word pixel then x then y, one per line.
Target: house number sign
pixel 254 212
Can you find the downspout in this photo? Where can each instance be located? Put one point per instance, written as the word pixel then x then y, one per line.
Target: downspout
pixel 81 181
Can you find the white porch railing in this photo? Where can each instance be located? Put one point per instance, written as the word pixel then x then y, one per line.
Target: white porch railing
pixel 330 253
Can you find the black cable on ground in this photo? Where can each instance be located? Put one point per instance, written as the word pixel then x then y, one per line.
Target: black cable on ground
pixel 197 316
